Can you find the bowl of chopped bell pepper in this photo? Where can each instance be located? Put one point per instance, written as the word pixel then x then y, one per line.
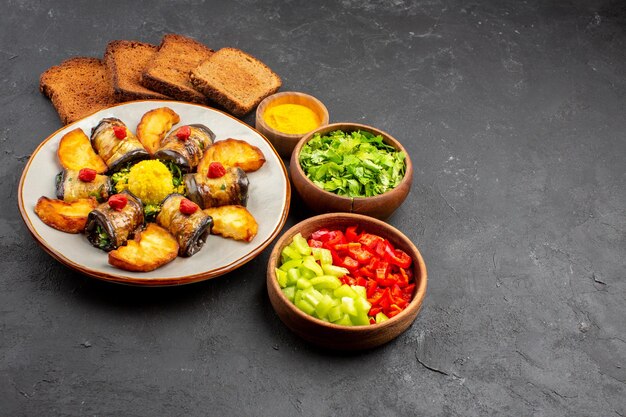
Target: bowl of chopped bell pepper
pixel 353 168
pixel 346 281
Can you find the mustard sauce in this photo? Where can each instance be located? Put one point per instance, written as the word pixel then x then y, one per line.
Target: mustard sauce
pixel 291 118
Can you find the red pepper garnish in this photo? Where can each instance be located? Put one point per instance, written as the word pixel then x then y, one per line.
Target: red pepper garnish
pixel 118 201
pixel 188 206
pixel 216 170
pixel 183 133
pixel 120 132
pixel 87 174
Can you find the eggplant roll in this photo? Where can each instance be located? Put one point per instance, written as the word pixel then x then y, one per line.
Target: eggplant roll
pixel 186 153
pixel 190 230
pixel 70 188
pixel 109 229
pixel 117 153
pixel 232 188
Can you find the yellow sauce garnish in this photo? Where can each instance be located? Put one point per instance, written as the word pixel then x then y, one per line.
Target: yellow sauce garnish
pixel 291 118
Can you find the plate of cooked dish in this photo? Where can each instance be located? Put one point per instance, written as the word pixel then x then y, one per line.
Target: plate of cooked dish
pixel 155 193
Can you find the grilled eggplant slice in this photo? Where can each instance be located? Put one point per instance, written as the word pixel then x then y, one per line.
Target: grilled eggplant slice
pixel 190 230
pixel 109 229
pixel 70 188
pixel 116 152
pixel 230 189
pixel 186 150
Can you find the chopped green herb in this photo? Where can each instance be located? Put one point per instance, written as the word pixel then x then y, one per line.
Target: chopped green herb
pixel 150 211
pixel 120 178
pixel 355 164
pixel 177 175
pixel 97 194
pixel 103 238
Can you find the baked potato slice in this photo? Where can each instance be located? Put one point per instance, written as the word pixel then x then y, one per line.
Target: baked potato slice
pixel 151 249
pixel 232 153
pixel 75 152
pixel 154 125
pixel 234 222
pixel 66 217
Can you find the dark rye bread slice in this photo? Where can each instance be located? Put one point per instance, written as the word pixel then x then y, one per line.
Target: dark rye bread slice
pixel 125 61
pixel 235 80
pixel 78 87
pixel 168 72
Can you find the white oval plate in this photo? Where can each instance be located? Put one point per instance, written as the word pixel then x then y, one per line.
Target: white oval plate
pixel 269 196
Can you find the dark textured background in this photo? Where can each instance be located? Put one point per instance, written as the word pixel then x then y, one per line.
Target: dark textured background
pixel 514 114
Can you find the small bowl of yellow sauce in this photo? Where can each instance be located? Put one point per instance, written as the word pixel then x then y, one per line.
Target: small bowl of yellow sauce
pixel 284 118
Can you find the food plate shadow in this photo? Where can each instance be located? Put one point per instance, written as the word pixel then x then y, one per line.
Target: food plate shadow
pixel 130 298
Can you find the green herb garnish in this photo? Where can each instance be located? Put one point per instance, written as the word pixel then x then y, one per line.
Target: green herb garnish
pixel 150 212
pixel 97 194
pixel 120 177
pixel 103 238
pixel 177 174
pixel 355 164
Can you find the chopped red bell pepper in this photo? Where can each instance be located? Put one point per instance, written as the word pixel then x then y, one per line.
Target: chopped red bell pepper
pixel 369 240
pixel 374 263
pixel 374 310
pixel 366 272
pixel 350 263
pixel 397 257
pixel 351 235
pixel 371 287
pixel 360 254
pixel 315 243
pixel 322 235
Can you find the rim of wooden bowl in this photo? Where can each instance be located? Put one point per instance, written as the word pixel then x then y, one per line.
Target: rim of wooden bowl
pixel 419 269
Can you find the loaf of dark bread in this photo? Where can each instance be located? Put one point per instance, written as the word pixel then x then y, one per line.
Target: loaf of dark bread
pixel 125 61
pixel 168 71
pixel 235 80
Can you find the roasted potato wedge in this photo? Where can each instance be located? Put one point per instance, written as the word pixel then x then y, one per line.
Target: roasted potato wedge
pixel 232 153
pixel 151 249
pixel 234 222
pixel 154 125
pixel 66 217
pixel 75 152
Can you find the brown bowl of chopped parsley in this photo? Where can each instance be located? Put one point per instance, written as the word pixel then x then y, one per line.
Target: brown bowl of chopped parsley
pixel 350 167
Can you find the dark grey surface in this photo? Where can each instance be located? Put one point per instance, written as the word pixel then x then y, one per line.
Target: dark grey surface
pixel 514 114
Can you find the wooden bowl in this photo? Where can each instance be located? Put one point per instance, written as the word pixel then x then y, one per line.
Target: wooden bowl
pixel 285 142
pixel 322 201
pixel 334 336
